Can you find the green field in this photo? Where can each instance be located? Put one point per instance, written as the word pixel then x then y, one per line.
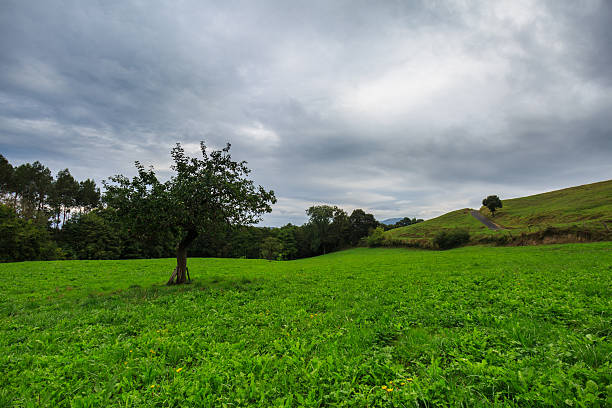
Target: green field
pixel 582 211
pixel 476 326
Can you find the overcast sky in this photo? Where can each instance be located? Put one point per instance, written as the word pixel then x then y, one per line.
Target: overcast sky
pixel 402 108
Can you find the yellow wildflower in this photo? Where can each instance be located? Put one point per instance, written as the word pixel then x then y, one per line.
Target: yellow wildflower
pixel 389 389
pixel 153 386
pixel 408 379
pixel 384 387
pixel 311 316
pixel 178 370
pixel 403 383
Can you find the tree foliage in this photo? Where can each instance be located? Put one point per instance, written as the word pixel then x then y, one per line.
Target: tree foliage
pixel 327 227
pixel 492 202
pixel 376 238
pixel 92 236
pixel 404 222
pixel 88 195
pixel 24 239
pixel 362 224
pixel 31 184
pixel 6 176
pixel 272 249
pixel 30 196
pixel 64 196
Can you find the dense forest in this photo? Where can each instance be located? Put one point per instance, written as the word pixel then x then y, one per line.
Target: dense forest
pixel 44 217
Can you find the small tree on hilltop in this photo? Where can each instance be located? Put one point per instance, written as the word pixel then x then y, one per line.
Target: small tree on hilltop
pixel 204 197
pixel 492 202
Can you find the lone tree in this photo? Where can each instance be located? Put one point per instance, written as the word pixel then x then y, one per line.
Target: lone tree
pixel 203 197
pixel 492 202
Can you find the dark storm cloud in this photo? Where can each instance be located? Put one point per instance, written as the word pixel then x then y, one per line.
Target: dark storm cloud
pixel 407 108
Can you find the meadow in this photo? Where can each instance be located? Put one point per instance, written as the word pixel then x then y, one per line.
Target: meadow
pixel 474 326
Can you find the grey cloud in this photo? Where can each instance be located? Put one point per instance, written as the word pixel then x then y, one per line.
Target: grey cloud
pixel 406 108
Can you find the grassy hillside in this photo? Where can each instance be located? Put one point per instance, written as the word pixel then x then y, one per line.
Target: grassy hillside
pixel 590 203
pixel 580 211
pixel 522 326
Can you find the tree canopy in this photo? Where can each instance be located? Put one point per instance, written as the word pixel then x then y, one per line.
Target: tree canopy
pixel 327 227
pixel 204 196
pixel 6 175
pixel 362 224
pixel 492 202
pixel 404 222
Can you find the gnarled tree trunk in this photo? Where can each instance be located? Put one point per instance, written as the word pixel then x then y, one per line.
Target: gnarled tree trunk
pixel 181 272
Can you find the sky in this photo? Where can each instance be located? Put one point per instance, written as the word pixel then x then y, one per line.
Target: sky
pixel 401 108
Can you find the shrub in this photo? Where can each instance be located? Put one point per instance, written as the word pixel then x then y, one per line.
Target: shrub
pixel 376 238
pixel 451 239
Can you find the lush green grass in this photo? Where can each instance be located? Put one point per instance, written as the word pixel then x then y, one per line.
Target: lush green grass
pixel 505 326
pixel 585 207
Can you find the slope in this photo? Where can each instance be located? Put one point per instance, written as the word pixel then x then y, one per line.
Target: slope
pixel 581 213
pixel 589 203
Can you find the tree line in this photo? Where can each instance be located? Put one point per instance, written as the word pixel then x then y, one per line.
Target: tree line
pixel 45 217
pixel 32 191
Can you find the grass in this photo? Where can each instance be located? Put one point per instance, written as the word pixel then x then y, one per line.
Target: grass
pixel 475 326
pixel 584 212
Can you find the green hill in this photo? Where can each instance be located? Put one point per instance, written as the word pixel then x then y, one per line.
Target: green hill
pixel 582 213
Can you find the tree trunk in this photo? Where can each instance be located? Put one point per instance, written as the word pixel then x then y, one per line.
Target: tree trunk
pixel 181 272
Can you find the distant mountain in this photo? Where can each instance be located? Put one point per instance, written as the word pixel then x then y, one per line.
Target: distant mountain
pixel 390 221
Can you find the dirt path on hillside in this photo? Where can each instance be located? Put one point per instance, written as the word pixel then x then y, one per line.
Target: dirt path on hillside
pixel 487 222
